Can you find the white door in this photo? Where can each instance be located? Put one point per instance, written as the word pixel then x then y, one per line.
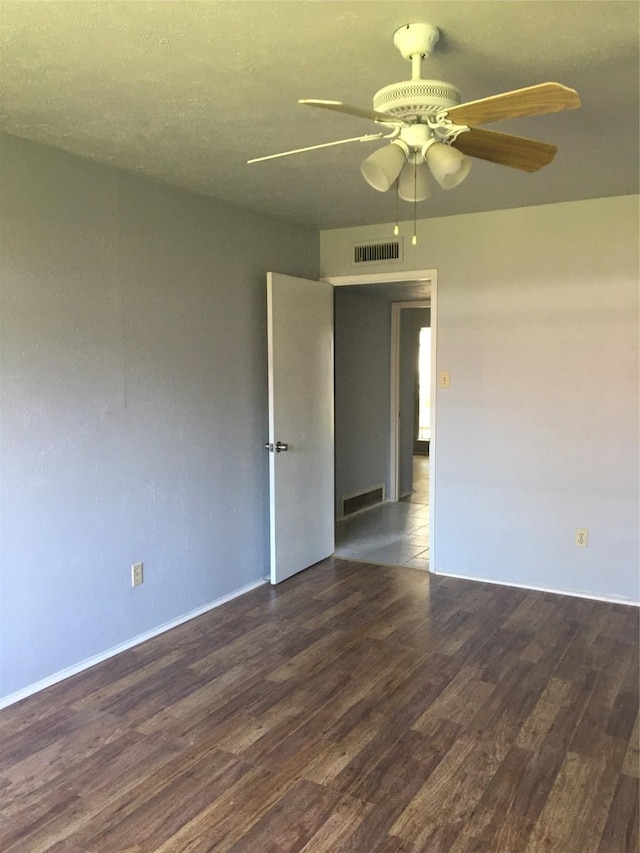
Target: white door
pixel 301 454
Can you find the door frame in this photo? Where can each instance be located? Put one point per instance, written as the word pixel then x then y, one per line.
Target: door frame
pixel 405 277
pixel 394 402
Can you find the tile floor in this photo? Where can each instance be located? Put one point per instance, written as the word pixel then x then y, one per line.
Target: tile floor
pixel 394 534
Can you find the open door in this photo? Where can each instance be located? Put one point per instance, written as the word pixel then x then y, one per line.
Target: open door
pixel 301 438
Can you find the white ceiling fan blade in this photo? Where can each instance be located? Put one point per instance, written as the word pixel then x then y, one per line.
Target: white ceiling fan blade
pixel 366 138
pixel 339 107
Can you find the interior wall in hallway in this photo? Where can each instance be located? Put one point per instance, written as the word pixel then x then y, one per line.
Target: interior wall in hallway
pixel 362 388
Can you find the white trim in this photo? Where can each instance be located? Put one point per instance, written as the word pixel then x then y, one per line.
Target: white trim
pixel 271 431
pixel 399 276
pixel 394 406
pixel 433 509
pixel 610 599
pixel 11 698
pixel 402 277
pixel 394 400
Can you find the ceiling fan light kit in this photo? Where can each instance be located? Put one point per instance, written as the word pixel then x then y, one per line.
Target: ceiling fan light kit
pixel 413 183
pixel 381 169
pixel 431 130
pixel 448 165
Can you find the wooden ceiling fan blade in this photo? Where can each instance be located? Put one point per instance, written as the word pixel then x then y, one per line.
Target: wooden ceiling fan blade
pixel 532 101
pixel 366 138
pixel 529 155
pixel 339 107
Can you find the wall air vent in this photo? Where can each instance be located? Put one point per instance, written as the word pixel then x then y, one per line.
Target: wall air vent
pixel 363 500
pixel 378 252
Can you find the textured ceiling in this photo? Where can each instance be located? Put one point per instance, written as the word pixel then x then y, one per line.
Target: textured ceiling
pixel 186 92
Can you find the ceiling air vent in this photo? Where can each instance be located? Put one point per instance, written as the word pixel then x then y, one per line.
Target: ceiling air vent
pixel 378 252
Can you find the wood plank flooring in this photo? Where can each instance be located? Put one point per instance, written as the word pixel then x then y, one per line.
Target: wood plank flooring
pixel 355 708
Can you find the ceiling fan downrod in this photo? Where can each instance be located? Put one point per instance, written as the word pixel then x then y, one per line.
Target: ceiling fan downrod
pixel 416 42
pixel 413 100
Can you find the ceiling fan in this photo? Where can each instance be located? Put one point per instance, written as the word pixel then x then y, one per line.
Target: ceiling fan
pixel 430 130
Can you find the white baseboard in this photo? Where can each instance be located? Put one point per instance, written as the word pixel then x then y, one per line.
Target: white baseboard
pixel 611 599
pixel 12 698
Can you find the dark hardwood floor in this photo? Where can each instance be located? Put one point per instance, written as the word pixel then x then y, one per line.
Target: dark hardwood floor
pixel 353 708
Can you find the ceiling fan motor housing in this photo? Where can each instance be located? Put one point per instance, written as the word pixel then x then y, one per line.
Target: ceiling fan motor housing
pixel 416 98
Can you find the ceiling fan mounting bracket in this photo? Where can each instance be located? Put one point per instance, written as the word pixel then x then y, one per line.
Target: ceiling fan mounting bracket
pixel 444 130
pixel 416 40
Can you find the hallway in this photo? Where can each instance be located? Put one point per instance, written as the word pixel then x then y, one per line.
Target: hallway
pixel 394 534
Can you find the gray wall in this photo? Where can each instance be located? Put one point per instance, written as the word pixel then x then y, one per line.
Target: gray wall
pixel 537 322
pixel 134 407
pixel 362 346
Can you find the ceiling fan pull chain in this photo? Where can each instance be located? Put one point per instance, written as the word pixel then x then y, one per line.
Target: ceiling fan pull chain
pixel 396 229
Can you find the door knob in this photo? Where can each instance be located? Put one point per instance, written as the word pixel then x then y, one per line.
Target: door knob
pixel 279 447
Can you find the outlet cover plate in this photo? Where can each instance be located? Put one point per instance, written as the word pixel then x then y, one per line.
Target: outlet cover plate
pixel 582 537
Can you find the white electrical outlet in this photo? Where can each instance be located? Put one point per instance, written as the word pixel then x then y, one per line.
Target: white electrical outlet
pixel 136 574
pixel 445 381
pixel 582 537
